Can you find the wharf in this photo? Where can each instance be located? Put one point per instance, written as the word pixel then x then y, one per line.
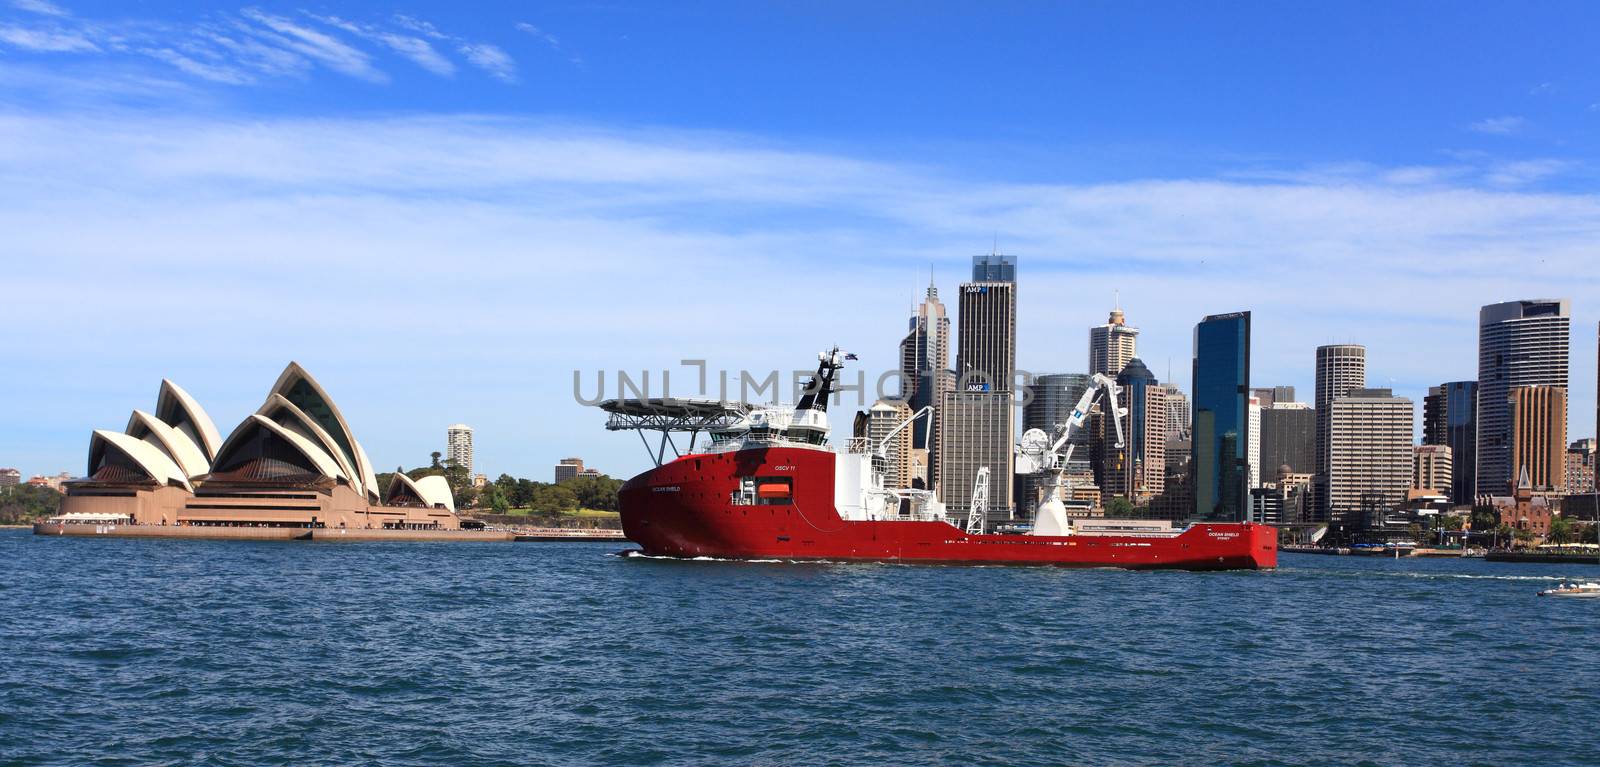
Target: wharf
pixel 1541 557
pixel 242 533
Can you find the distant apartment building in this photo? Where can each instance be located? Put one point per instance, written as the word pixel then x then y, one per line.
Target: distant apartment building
pixel 882 419
pixel 1431 469
pixel 1341 369
pixel 458 446
pixel 10 477
pixel 1539 435
pixel 1370 455
pixel 1112 345
pixel 1520 344
pixel 568 468
pixel 1580 467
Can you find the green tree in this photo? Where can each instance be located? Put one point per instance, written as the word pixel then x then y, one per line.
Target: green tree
pixel 435 464
pixel 1119 507
pixel 21 504
pixel 1562 530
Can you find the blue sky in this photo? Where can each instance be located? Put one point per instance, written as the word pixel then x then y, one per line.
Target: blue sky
pixel 444 209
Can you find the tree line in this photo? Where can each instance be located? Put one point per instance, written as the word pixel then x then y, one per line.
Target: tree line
pixel 508 492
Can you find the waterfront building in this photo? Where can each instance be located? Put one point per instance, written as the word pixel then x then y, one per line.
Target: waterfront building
pixel 1580 467
pixel 976 417
pixel 1539 435
pixel 1112 345
pixel 1221 449
pixel 10 477
pixel 883 418
pixel 1138 470
pixel 1370 456
pixel 1520 343
pixel 568 468
pixel 1523 509
pixel 458 446
pixel 1432 469
pixel 1272 395
pixel 925 377
pixel 1341 369
pixel 1288 436
pixel 293 463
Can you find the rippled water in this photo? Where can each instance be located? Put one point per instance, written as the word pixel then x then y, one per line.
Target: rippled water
pixel 141 652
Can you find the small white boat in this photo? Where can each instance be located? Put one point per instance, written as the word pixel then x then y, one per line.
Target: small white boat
pixel 1590 589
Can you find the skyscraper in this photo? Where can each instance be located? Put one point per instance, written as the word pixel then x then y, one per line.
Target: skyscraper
pixel 1138 470
pixel 882 419
pixel 1431 468
pixel 1288 438
pixel 458 446
pixel 1370 455
pixel 1520 343
pixel 1271 395
pixel 924 379
pixel 1254 442
pixel 1341 369
pixel 1460 406
pixel 1221 417
pixel 1177 413
pixel 976 418
pixel 1435 417
pixel 1054 395
pixel 1539 435
pixel 1111 345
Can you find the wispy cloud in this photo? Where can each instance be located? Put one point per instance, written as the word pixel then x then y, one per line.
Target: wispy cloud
pixel 1542 89
pixel 491 59
pixel 43 7
pixel 46 40
pixel 1500 126
pixel 317 45
pixel 1523 172
pixel 548 39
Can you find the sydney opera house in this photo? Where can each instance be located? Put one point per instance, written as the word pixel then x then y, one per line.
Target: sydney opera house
pixel 294 463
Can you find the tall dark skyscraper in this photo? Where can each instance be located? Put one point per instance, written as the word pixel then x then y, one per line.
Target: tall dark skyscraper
pixel 1460 405
pixel 1221 463
pixel 976 418
pixel 1288 438
pixel 1435 418
pixel 1520 343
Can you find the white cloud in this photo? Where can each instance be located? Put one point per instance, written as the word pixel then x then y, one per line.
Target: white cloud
pixel 520 226
pixel 39 6
pixel 539 34
pixel 214 73
pixel 420 52
pixel 1500 126
pixel 319 46
pixel 46 40
pixel 491 59
pixel 1522 172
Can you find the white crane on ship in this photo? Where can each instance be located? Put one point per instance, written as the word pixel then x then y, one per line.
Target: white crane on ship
pixel 1037 453
pixel 980 502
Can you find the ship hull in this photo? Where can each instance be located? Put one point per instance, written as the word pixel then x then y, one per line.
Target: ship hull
pixel 686 509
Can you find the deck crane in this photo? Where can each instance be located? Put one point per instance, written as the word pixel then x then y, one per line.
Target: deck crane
pixel 1037 453
pixel 980 502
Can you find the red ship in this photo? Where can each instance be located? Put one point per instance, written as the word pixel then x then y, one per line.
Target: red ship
pixel 769 486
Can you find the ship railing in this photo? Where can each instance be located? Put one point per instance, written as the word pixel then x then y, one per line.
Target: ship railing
pixel 858 445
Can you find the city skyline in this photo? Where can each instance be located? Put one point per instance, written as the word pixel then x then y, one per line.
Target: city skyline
pixel 607 216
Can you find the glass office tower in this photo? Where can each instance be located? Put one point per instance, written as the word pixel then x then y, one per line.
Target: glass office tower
pixel 1221 448
pixel 1461 435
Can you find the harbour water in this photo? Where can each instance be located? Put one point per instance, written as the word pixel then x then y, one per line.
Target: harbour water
pixel 168 652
